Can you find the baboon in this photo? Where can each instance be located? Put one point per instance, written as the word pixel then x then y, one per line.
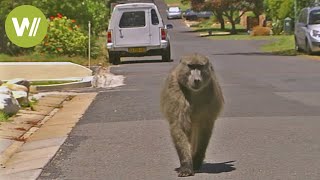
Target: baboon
pixel 191 101
pixel 100 76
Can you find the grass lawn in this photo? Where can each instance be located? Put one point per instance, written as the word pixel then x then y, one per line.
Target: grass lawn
pixel 281 45
pixel 43 83
pixel 178 3
pixel 3 117
pixel 50 58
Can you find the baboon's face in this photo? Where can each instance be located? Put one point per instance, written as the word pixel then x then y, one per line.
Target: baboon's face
pixel 195 72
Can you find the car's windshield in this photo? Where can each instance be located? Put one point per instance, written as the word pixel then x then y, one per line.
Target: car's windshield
pixel 174 9
pixel 314 17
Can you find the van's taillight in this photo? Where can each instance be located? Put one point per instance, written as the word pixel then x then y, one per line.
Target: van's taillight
pixel 109 39
pixel 163 34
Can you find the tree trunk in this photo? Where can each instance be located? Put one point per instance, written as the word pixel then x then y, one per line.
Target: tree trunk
pixel 233 27
pixel 221 21
pixel 222 25
pixel 233 22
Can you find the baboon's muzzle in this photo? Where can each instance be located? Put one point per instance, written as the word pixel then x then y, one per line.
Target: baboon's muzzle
pixel 195 79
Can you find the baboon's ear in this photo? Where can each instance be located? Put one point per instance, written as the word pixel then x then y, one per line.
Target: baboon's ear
pixel 211 67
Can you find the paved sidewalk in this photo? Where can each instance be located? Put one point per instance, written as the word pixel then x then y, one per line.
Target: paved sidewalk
pixel 42 70
pixel 33 138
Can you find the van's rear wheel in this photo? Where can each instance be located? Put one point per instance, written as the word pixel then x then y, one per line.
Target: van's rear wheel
pixel 114 58
pixel 308 48
pixel 166 54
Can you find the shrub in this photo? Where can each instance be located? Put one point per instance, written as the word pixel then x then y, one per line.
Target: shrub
pixel 95 49
pixel 64 37
pixel 96 11
pixel 277 27
pixel 260 31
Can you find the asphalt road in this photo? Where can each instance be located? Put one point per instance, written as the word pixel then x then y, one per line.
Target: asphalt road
pixel 269 129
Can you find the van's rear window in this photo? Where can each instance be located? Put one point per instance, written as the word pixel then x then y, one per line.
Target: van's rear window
pixel 132 19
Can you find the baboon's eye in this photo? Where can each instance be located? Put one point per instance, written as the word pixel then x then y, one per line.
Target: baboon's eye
pixel 196 66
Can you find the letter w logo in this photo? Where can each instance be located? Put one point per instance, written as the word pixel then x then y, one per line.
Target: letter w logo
pixel 25 25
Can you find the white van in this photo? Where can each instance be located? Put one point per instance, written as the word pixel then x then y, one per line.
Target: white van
pixel 136 29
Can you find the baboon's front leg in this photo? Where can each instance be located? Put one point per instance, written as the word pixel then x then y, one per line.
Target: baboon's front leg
pixel 183 148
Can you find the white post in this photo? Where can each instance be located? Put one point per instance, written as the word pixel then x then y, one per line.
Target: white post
pixel 295 10
pixel 89 44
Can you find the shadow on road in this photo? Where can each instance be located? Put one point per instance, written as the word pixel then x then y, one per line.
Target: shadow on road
pixel 215 168
pixel 143 61
pixel 251 54
pixel 187 31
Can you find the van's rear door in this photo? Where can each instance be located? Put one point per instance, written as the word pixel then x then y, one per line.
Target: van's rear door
pixel 133 28
pixel 155 27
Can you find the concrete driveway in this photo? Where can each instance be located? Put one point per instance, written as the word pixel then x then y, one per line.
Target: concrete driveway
pixel 269 129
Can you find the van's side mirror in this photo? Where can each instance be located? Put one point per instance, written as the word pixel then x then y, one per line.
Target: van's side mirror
pixel 168 26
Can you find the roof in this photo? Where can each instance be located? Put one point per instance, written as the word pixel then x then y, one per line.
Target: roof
pixel 314 8
pixel 135 5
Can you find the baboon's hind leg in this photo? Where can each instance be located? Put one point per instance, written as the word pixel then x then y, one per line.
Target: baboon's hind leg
pixel 201 141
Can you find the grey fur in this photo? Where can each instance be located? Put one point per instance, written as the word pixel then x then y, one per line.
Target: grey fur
pixel 191 104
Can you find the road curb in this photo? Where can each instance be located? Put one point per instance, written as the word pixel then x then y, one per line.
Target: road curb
pixel 52 127
pixel 15 145
pixel 64 86
pixel 7 154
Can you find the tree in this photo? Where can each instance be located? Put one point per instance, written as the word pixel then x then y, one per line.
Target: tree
pixel 218 13
pixel 233 10
pixel 258 7
pixel 303 3
pixel 279 9
pixel 198 5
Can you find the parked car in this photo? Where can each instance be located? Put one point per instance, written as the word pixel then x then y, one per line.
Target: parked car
pixel 137 29
pixel 174 13
pixel 194 15
pixel 307 30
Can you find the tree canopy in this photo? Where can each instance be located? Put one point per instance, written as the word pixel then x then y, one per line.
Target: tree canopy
pixel 231 9
pixel 280 9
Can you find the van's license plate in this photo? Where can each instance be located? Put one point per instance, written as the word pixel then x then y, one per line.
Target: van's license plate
pixel 137 50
